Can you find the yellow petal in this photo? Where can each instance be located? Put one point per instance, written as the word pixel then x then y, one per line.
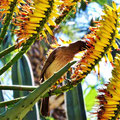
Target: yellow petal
pixel 108 7
pixel 115 45
pixel 51 22
pixel 58 2
pixel 37 14
pixel 117 36
pixel 114 5
pixel 32 31
pixel 110 23
pixel 48 29
pixel 99 48
pixel 44 34
pixel 108 28
pixel 115 15
pixel 35 20
pixel 33 25
pixel 118 10
pixel 110 57
pixel 53 14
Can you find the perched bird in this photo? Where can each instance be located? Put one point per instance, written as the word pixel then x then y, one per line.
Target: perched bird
pixel 56 60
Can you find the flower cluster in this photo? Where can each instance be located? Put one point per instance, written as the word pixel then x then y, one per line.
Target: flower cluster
pixel 7 5
pixel 4 7
pixel 109 95
pixel 100 40
pixel 29 15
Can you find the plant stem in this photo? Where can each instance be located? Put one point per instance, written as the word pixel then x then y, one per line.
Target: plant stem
pixel 18 87
pixel 24 106
pixel 7 20
pixel 10 102
pixel 7 51
pixel 18 55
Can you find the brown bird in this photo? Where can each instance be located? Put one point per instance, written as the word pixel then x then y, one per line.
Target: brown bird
pixel 56 60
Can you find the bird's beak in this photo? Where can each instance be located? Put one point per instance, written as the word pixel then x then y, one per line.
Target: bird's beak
pixel 85 46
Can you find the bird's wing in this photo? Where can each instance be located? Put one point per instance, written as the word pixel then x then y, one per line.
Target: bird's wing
pixel 49 60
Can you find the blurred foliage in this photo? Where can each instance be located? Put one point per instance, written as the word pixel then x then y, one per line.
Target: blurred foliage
pixel 70 27
pixel 90 99
pixel 101 2
pixel 46 118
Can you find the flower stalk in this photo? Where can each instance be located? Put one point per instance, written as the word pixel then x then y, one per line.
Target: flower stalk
pixel 7 51
pixel 10 102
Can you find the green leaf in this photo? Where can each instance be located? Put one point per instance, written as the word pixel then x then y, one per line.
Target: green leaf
pixel 22 75
pixel 1 99
pixel 46 118
pixel 75 103
pixel 90 99
pixel 101 2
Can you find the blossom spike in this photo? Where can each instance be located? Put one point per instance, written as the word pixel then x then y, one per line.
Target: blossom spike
pixel 31 13
pixel 110 110
pixel 102 37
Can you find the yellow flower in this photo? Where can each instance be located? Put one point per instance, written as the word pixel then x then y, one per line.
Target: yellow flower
pixel 5 7
pixel 101 38
pixel 33 13
pixel 109 98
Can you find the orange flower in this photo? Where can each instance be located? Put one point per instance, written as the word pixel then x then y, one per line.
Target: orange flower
pixel 4 7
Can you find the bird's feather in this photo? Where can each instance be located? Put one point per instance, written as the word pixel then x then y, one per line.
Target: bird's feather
pixel 47 63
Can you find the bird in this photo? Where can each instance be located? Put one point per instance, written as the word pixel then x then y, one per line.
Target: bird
pixel 57 60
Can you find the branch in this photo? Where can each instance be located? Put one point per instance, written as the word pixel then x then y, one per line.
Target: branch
pixel 10 102
pixel 7 51
pixel 18 55
pixel 7 20
pixel 24 106
pixel 18 87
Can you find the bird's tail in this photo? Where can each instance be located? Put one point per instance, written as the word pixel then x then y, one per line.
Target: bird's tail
pixel 45 106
